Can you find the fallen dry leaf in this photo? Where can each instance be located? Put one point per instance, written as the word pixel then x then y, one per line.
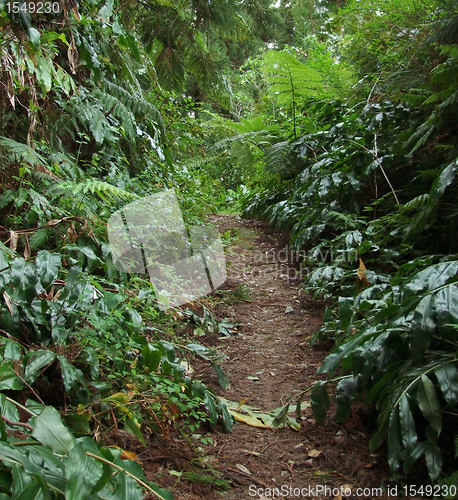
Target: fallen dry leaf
pixel 8 302
pixel 255 453
pixel 314 453
pixel 129 455
pixel 247 419
pixel 13 240
pixel 243 469
pixel 27 251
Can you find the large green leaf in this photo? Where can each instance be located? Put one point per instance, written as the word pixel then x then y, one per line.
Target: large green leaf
pixel 429 403
pixel 8 410
pixel 228 421
pixel 429 279
pixel 394 440
pixel 151 357
pixel 440 184
pixel 23 275
pixel 10 455
pixel 20 480
pixel 134 426
pixel 33 491
pixel 50 431
pixel 422 327
pixel 346 310
pixel 446 301
pixel 332 361
pixel 320 401
pixel 209 402
pixel 41 359
pixel 281 416
pixel 51 465
pixel 346 391
pixel 447 377
pixel 408 434
pixel 383 421
pixel 414 454
pixel 222 378
pixel 82 473
pixel 9 378
pixel 70 375
pixel 433 458
pixel 12 350
pixel 48 265
pixel 5 256
pixel 126 487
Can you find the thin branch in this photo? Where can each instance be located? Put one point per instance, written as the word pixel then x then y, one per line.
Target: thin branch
pixel 383 170
pixel 16 424
pixel 379 163
pixel 139 481
pixel 21 407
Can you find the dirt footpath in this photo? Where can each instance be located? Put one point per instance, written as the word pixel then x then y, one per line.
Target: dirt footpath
pixel 268 361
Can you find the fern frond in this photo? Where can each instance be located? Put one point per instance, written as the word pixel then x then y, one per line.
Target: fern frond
pixel 289 78
pixel 18 151
pixel 421 136
pixel 116 108
pixel 39 238
pixel 416 202
pixel 136 103
pixel 281 159
pixel 82 116
pixel 94 186
pixel 66 166
pixel 260 139
pixel 428 176
pixel 253 125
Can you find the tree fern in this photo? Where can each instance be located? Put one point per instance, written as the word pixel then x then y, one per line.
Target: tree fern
pixel 280 158
pixel 291 81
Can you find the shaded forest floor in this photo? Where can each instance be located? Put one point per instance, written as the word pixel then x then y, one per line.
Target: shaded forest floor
pixel 268 359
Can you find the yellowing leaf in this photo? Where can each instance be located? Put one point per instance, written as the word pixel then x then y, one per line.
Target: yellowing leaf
pixel 362 278
pixel 81 410
pixel 129 455
pixel 249 420
pixel 119 397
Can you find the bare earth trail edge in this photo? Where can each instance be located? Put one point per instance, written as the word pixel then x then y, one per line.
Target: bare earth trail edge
pixel 267 361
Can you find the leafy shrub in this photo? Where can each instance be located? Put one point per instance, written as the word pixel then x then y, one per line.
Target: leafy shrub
pixel 48 461
pixel 399 344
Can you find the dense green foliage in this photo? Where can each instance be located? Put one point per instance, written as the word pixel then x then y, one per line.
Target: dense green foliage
pixel 86 127
pixel 368 189
pixel 334 122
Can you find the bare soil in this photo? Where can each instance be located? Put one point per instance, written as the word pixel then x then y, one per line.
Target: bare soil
pixel 268 359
